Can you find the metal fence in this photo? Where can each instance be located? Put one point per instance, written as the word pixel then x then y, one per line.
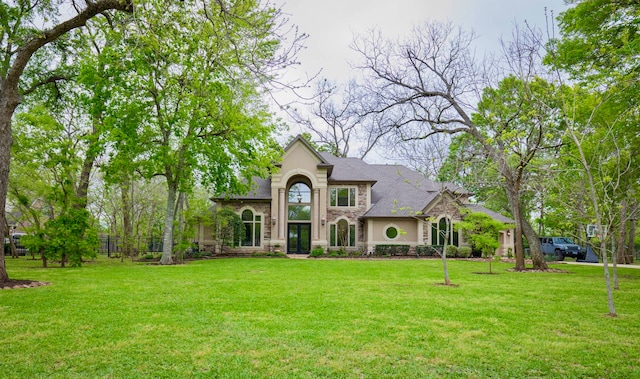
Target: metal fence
pixel 141 245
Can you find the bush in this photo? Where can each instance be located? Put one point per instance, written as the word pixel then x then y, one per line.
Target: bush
pixel 428 250
pixel 341 252
pixel 392 250
pixel 464 251
pixel 452 251
pixel 356 253
pixel 268 254
pixel 317 251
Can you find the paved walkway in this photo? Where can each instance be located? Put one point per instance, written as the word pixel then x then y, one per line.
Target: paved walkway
pixel 298 256
pixel 636 266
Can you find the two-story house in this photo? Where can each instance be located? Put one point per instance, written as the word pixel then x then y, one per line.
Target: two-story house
pixel 316 199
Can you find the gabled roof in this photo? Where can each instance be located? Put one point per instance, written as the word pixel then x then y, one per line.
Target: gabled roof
pixel 396 191
pixel 322 164
pixel 494 215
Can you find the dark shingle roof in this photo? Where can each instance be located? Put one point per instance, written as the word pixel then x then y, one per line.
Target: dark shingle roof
pixel 494 215
pixel 396 191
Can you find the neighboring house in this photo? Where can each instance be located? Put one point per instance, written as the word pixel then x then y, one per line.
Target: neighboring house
pixel 317 199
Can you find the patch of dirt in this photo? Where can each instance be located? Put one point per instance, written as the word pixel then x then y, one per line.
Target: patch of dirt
pixel 551 270
pixel 484 273
pixel 19 283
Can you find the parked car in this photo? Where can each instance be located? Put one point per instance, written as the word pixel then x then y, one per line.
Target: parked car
pixel 20 248
pixel 562 247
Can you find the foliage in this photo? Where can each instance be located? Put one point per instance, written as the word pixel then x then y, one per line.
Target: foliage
pixel 428 250
pixel 464 251
pixel 391 250
pixel 71 237
pixel 452 251
pixel 482 232
pixel 317 251
pixel 204 118
pixel 229 229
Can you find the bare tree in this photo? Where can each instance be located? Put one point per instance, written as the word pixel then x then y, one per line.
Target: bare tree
pixel 432 84
pixel 337 120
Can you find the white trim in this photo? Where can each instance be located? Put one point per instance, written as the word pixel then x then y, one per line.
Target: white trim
pixel 329 188
pixel 262 221
pixel 388 226
pixel 349 223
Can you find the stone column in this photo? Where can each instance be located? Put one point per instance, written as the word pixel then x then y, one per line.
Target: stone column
pixel 282 205
pixel 316 213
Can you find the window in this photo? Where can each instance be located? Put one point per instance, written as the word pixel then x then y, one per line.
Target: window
pixel 299 208
pixel 252 228
pixel 439 232
pixel 391 232
pixel 342 234
pixel 342 197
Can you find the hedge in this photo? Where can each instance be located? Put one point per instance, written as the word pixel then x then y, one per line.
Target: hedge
pixel 392 249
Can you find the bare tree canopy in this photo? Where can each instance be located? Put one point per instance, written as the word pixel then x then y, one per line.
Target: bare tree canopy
pixel 431 83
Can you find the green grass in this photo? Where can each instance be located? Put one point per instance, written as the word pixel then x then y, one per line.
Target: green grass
pixel 294 318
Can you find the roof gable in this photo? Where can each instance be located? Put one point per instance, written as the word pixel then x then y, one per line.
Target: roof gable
pixel 299 153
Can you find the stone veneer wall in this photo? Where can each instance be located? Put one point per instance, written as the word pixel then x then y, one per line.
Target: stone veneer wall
pixel 352 214
pixel 263 208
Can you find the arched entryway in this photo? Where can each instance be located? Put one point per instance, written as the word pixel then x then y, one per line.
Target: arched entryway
pixel 299 210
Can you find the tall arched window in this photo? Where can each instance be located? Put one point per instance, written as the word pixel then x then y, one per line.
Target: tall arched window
pixel 342 234
pixel 442 231
pixel 299 202
pixel 252 228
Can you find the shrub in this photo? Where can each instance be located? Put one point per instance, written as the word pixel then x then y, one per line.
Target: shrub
pixel 452 251
pixel 317 251
pixel 428 250
pixel 464 251
pixel 356 253
pixel 341 252
pixel 392 249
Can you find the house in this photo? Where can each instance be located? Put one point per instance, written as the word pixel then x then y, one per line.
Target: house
pixel 316 199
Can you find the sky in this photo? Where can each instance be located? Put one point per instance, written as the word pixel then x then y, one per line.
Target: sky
pixel 332 25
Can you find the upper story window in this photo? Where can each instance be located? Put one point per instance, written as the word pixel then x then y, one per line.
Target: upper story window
pixel 342 197
pixel 299 197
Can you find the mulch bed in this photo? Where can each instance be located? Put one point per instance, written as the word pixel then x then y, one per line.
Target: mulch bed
pixel 19 283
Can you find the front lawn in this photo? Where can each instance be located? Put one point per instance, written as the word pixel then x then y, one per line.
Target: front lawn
pixel 261 317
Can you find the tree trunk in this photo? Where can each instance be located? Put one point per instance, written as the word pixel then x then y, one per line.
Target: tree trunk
pixel 127 225
pixel 514 203
pixel 534 246
pixel 607 278
pixel 179 214
pixel 167 239
pixel 622 234
pixel 632 237
pixel 9 100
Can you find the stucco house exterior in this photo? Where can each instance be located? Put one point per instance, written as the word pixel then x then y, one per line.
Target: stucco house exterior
pixel 316 199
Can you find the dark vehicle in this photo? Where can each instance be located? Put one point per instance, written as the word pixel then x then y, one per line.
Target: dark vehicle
pixel 20 248
pixel 562 247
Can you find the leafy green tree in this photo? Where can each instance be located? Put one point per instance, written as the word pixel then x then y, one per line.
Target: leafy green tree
pixel 201 97
pixel 598 48
pixel 21 44
pixel 229 229
pixel 46 186
pixel 482 232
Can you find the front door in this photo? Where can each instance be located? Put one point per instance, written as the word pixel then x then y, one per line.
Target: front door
pixel 299 238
